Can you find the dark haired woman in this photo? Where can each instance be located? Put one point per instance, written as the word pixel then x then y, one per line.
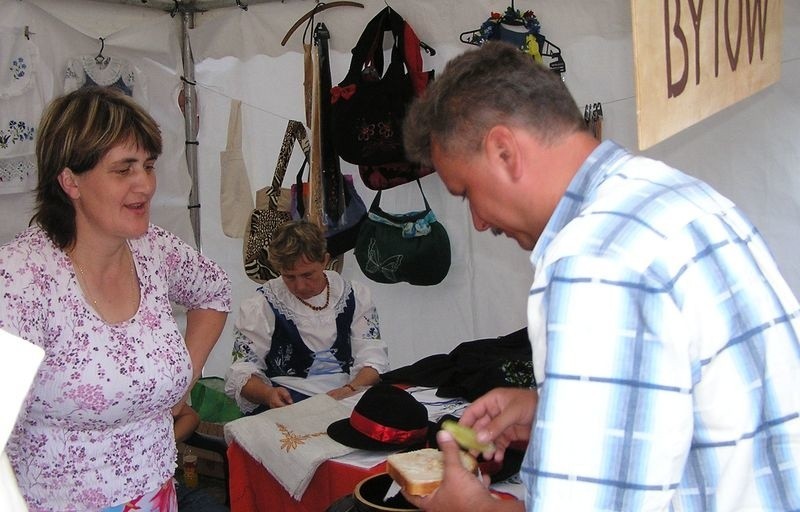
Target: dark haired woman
pixel 91 282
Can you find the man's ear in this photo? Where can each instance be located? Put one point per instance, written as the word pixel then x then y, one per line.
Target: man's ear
pixel 503 151
pixel 69 183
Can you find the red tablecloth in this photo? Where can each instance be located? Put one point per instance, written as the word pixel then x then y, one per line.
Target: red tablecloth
pixel 253 488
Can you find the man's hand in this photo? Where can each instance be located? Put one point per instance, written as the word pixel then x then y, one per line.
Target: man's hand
pixel 501 416
pixel 460 489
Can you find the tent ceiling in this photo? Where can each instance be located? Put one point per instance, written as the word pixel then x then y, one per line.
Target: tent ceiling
pixel 197 5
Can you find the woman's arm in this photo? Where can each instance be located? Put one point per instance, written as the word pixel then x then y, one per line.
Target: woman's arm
pixel 199 285
pixel 252 340
pixel 203 327
pixel 185 420
pixel 366 377
pixel 370 354
pixel 258 391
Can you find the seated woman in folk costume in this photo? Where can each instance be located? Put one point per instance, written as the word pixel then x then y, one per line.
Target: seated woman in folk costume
pixel 309 324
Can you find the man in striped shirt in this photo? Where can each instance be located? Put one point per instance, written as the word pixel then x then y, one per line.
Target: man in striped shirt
pixel 665 340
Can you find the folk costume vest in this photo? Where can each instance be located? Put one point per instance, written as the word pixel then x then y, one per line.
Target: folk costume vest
pixel 289 355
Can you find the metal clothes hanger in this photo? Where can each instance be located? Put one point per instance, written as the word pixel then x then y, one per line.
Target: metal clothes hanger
pixel 321 6
pixel 99 58
pixel 546 48
pixel 593 118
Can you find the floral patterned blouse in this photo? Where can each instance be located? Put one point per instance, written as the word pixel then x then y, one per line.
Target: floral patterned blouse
pixel 96 429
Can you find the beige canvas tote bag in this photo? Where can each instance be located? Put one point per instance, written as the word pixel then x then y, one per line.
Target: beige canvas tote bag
pixel 236 196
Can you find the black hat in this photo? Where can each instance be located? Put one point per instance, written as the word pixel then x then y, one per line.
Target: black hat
pixel 385 418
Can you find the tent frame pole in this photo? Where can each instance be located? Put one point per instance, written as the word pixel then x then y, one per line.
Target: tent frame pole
pixel 190 122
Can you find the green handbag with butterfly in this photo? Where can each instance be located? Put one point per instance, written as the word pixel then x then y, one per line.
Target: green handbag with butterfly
pixel 411 247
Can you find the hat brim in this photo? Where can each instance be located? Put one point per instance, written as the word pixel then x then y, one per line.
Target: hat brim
pixel 342 432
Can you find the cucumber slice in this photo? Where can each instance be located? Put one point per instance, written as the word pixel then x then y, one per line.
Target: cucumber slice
pixel 466 437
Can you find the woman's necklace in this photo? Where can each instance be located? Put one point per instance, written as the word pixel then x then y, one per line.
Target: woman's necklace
pixel 84 283
pixel 327 297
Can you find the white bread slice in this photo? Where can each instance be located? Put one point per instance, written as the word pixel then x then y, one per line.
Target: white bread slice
pixel 420 472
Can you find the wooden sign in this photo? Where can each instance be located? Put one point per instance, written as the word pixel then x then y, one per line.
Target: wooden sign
pixel 695 57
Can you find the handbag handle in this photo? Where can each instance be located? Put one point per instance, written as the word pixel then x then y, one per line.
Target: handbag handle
pixel 410 227
pixel 376 202
pixel 235 127
pixel 335 196
pixel 295 131
pixel 413 60
pixel 366 49
pixel 301 208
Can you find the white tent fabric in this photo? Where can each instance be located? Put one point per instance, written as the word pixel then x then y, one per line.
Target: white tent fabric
pixel 748 151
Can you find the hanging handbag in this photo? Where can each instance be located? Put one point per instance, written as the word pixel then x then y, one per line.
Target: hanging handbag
pixel 391 174
pixel 343 209
pixel 412 247
pixel 340 233
pixel 236 197
pixel 368 106
pixel 264 220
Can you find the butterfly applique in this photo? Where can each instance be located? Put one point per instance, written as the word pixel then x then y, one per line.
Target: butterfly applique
pixel 387 267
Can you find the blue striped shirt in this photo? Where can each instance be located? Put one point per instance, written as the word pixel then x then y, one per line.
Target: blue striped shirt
pixel 665 344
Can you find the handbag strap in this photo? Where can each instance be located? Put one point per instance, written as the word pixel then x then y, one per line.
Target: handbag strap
pixel 376 202
pixel 295 131
pixel 235 127
pixel 332 180
pixel 413 59
pixel 369 48
pixel 301 207
pixel 409 228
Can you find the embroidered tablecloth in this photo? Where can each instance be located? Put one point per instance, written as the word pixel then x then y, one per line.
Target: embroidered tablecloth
pixel 291 442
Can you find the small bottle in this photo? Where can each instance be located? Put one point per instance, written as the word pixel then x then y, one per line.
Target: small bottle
pixel 190 470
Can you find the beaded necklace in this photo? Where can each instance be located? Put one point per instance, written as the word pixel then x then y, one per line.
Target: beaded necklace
pixel 327 297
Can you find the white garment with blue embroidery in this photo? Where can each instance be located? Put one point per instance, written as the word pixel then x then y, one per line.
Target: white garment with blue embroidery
pixel 88 70
pixel 21 104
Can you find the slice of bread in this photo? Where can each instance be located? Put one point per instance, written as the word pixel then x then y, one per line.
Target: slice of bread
pixel 420 472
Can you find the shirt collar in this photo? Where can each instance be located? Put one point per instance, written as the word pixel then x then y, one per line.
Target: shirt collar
pixel 595 170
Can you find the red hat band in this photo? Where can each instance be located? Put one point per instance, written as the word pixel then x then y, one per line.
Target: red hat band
pixel 383 433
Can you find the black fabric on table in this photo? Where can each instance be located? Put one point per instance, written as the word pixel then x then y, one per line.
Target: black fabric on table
pixel 472 368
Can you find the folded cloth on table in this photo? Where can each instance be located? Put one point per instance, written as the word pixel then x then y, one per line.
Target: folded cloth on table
pixel 291 442
pixel 472 368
